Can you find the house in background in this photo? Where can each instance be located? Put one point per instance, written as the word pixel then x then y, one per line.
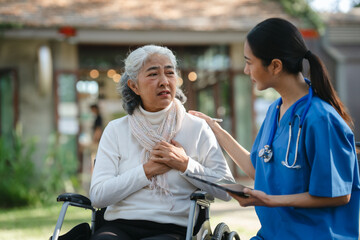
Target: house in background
pixel 57 58
pixel 341 48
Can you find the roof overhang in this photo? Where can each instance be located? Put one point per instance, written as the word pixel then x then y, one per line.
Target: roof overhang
pixel 97 36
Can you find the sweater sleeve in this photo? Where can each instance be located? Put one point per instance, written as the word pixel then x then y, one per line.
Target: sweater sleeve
pixel 108 186
pixel 209 164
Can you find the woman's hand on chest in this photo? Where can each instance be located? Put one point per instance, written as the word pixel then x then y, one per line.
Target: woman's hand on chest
pixel 152 169
pixel 171 154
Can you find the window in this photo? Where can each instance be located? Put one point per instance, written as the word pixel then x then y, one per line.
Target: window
pixel 8 103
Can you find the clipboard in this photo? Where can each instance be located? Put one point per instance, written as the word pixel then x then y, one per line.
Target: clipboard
pixel 235 188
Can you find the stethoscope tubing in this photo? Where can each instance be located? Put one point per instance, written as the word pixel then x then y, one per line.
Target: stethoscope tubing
pixel 302 118
pixel 266 151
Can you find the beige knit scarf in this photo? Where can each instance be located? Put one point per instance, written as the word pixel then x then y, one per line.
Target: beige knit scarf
pixel 148 137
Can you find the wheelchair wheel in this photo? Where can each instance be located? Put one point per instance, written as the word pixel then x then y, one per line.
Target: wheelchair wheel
pixel 233 235
pixel 220 231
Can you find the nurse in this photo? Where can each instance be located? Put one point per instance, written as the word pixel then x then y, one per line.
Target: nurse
pixel 303 159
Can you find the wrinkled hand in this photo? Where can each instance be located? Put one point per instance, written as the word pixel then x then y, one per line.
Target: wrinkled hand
pixel 152 169
pixel 256 198
pixel 171 154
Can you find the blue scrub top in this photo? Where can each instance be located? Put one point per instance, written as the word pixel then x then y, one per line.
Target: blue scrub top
pixel 329 168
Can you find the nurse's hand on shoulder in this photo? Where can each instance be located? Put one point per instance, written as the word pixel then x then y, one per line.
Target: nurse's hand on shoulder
pixel 171 154
pixel 256 198
pixel 211 122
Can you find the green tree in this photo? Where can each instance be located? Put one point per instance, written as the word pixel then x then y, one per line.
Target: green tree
pixel 356 3
pixel 302 10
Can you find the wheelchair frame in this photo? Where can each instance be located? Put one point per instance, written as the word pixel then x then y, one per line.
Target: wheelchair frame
pixel 198 226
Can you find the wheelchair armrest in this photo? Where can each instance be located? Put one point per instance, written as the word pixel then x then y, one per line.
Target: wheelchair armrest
pixel 75 200
pixel 199 213
pixel 71 199
pixel 201 195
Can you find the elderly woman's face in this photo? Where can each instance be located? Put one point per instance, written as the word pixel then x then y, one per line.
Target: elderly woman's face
pixel 156 83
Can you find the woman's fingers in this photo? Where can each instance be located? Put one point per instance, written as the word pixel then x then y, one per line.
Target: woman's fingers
pixel 152 169
pixel 172 154
pixel 164 148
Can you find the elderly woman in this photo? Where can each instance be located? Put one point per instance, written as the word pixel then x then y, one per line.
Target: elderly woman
pixel 143 158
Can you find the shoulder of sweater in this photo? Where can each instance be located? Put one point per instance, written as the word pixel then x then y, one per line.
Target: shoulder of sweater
pixel 118 123
pixel 196 121
pixel 195 125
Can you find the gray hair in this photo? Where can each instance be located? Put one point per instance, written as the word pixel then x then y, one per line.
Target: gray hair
pixel 133 64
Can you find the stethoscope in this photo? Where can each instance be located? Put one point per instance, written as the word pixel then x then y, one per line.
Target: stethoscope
pixel 266 152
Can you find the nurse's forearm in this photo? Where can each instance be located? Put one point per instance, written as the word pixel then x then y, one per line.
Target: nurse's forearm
pixel 305 200
pixel 238 154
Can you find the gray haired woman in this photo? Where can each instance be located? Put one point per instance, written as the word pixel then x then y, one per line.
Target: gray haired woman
pixel 143 158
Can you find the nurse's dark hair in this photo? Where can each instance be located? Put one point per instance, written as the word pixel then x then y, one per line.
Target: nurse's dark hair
pixel 276 38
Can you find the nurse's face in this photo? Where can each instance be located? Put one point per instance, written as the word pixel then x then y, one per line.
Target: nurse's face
pixel 259 74
pixel 156 83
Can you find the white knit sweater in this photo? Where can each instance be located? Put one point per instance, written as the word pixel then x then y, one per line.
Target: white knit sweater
pixel 119 182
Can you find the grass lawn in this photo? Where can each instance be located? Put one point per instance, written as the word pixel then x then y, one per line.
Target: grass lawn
pixel 38 222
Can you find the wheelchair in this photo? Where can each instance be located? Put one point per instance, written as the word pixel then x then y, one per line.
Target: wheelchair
pixel 198 226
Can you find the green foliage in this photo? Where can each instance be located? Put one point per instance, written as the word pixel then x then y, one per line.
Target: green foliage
pixel 6 26
pixel 22 183
pixel 17 172
pixel 301 9
pixel 355 3
pixel 60 168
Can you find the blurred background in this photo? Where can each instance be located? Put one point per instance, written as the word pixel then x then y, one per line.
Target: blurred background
pixel 59 57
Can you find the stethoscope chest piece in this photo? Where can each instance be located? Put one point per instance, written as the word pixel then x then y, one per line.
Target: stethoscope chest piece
pixel 265 153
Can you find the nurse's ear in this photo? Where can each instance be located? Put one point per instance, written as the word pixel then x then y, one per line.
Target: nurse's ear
pixel 275 66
